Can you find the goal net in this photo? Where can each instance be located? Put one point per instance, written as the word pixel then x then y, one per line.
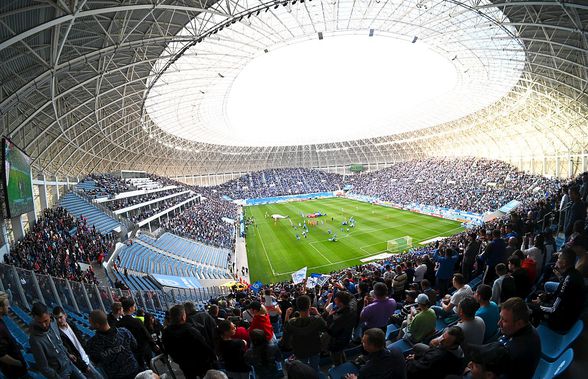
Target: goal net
pixel 400 244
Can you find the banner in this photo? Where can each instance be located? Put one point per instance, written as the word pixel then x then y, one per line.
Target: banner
pixel 299 276
pixel 177 281
pixel 256 287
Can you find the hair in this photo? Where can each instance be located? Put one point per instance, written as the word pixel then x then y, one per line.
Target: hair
pixel 259 341
pixel 425 283
pixel 39 309
pixel 568 255
pixel 116 307
pixel 501 269
pixel 518 307
pixel 127 303
pixel 344 297
pixel 484 291
pixel 468 307
pixel 57 311
pixel 175 313
pixel 575 190
pixel 459 279
pixel 98 317
pixel 380 290
pixel 140 312
pixel 3 298
pixel 189 307
pixel 223 327
pixel 303 303
pixel 496 233
pixel 215 374
pixel 376 337
pixel 457 333
pixel 514 260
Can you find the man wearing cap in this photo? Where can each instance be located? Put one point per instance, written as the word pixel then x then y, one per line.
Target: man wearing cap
pixel 420 323
pixel 261 320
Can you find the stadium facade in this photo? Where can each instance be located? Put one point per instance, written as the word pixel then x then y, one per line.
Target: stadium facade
pixel 78 79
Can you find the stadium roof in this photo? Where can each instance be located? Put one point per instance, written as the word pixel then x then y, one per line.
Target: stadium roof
pixel 100 86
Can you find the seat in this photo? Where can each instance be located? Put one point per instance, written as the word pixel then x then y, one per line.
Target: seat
pixel 548 370
pixel 391 331
pixel 340 371
pixel 553 344
pixel 401 345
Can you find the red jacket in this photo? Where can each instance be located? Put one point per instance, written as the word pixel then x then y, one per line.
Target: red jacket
pixel 262 322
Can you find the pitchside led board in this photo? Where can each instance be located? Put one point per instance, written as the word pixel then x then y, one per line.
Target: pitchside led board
pixel 17 180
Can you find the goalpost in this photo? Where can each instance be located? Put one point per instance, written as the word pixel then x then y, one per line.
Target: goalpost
pixel 399 245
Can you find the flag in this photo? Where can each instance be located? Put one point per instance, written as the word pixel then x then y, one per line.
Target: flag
pixel 299 276
pixel 256 287
pixel 311 282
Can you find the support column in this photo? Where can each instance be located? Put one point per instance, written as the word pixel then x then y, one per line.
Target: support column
pixel 17 228
pixel 557 166
pixel 570 166
pixel 43 194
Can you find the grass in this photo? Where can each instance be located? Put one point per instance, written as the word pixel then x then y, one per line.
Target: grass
pixel 274 252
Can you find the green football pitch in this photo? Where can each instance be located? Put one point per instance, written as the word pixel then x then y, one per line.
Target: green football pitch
pixel 274 252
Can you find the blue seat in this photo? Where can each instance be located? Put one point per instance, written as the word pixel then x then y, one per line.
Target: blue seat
pixel 548 370
pixel 340 371
pixel 401 345
pixel 391 331
pixel 553 344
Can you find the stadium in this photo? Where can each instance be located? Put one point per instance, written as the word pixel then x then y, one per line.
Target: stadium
pixel 300 188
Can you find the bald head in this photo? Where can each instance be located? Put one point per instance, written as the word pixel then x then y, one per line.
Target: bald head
pixel 98 320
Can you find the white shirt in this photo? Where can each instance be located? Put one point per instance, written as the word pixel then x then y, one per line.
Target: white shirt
pixel 459 295
pixel 535 254
pixel 419 273
pixel 72 337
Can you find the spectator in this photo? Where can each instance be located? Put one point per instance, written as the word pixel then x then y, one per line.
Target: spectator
pixel 261 320
pixel 115 314
pixel 520 276
pixel 340 323
pixel 420 323
pixel 145 344
pixel 112 349
pixel 504 286
pixel 488 310
pixel 488 362
pixel 74 342
pixel 576 211
pixel 533 247
pixel 302 333
pixel 420 271
pixel 473 326
pixel 449 303
pixel 186 345
pixel 51 357
pixel 201 321
pixel 263 356
pixel 469 256
pixel 399 282
pixel 377 313
pixel 12 363
pixel 232 351
pixel 520 338
pixel 446 260
pixel 443 357
pixel 494 254
pixel 563 309
pixel 381 362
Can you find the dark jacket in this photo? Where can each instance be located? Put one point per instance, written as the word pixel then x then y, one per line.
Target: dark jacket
pixel 9 346
pixel 576 211
pixel 113 352
pixel 525 350
pixel 188 349
pixel 144 341
pixel 205 324
pixel 263 359
pixel 495 253
pixel 70 347
pixel 384 364
pixel 436 362
pixel 522 282
pixel 51 357
pixel 568 301
pixel 340 327
pixel 302 334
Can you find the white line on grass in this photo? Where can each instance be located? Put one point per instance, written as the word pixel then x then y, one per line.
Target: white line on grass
pixel 318 251
pixel 265 251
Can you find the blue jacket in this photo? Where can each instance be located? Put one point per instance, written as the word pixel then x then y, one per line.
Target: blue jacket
pixel 446 265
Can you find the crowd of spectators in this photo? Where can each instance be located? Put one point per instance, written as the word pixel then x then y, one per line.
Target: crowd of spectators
pixel 280 182
pixel 107 185
pixel 204 222
pixel 53 247
pixel 150 210
pixel 489 329
pixel 469 184
pixel 134 200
